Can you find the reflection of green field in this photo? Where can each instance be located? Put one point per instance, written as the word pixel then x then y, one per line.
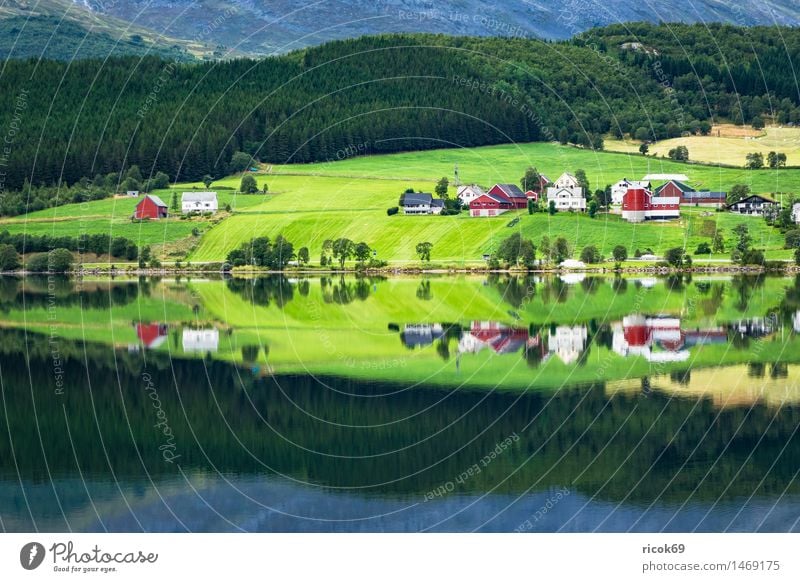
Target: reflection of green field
pixel 310 333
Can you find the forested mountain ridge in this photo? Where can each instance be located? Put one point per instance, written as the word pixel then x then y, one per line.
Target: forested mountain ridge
pixel 383 94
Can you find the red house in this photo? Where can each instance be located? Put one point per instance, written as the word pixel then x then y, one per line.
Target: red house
pixel 490 205
pixel 150 207
pixel 512 193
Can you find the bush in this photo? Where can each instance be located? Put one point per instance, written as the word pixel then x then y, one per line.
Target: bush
pixel 392 211
pixel 620 253
pixel 591 255
pixel 793 239
pixel 56 261
pixel 675 257
pixel 703 249
pixel 248 185
pixel 9 259
pixel 753 257
pixel 797 257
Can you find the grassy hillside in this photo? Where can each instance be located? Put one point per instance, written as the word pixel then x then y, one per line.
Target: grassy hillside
pixel 349 198
pixel 314 202
pixel 726 148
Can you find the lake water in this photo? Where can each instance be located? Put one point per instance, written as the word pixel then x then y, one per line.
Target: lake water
pixel 405 404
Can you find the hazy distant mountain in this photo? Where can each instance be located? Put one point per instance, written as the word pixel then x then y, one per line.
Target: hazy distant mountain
pixel 276 26
pixel 264 26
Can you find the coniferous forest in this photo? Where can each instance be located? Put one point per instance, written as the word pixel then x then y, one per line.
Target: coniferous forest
pixel 63 121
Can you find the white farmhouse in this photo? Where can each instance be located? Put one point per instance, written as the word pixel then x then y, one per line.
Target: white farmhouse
pixel 566 193
pixel 199 202
pixel 469 193
pixel 796 212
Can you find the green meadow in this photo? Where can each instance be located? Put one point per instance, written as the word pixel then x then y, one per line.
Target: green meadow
pixel 314 202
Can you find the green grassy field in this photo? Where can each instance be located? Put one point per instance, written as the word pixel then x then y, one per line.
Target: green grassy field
pixel 311 203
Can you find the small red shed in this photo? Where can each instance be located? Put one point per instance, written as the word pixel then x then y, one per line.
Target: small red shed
pixel 150 207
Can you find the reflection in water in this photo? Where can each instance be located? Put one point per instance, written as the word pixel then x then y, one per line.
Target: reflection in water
pixel 200 340
pixel 684 417
pixel 275 453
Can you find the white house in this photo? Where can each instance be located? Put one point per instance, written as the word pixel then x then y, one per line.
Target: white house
pixel 566 193
pixel 796 212
pixel 421 203
pixel 199 202
pixel 200 340
pixel 468 193
pixel 618 190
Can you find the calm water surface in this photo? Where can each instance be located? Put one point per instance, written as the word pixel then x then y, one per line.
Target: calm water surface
pixel 428 404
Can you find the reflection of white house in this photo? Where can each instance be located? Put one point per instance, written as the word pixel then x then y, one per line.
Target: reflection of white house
pixel 568 342
pixel 420 334
pixel 618 190
pixel 796 321
pixel 200 340
pixel 657 339
pixel 566 193
pixel 469 192
pixel 572 278
pixel 796 212
pixel 198 202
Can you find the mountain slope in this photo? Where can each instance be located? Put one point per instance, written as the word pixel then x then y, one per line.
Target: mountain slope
pixel 275 26
pixel 64 30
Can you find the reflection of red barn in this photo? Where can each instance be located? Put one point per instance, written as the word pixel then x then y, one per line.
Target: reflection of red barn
pixel 150 207
pixel 501 339
pixel 639 205
pixel 151 335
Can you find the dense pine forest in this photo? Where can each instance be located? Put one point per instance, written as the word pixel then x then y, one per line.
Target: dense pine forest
pixel 65 121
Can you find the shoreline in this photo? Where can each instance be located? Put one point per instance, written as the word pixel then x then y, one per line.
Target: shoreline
pixel 788 269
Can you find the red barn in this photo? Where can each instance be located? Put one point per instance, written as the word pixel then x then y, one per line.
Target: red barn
pixel 512 193
pixel 150 207
pixel 490 205
pixel 639 205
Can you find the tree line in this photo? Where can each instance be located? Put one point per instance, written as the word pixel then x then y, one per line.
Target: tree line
pixel 377 94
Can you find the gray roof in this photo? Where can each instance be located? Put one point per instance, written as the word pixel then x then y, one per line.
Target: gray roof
pixel 438 202
pixel 156 199
pixel 512 190
pixel 199 196
pixel 706 195
pixel 416 198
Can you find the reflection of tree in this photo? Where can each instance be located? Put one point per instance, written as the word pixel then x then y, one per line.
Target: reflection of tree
pixel 778 370
pixel 744 286
pixel 443 348
pixel 345 291
pixel 620 285
pixel 514 290
pixel 303 287
pixel 555 289
pixel 424 290
pixel 711 304
pixel 263 291
pixel 38 291
pixel 250 353
pixel 756 370
pixel 681 377
pixel 592 284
